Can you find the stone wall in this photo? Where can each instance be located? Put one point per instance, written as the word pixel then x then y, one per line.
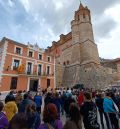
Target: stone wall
pixel 89 52
pixel 75 57
pixel 71 73
pixel 59 69
pixel 91 77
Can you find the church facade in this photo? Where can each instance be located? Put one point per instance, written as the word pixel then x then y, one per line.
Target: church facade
pixel 77 59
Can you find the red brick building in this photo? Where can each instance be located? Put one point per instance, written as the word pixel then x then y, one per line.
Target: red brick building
pixel 24 67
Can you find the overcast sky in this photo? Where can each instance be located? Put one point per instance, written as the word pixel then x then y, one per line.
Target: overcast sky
pixel 42 21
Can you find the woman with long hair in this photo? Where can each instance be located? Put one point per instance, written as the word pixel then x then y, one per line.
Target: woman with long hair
pixel 33 117
pixel 74 121
pixel 51 118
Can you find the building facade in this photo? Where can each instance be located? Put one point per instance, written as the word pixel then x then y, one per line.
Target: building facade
pixel 24 67
pixel 77 59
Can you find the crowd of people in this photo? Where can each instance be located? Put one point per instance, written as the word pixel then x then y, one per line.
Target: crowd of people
pixel 45 110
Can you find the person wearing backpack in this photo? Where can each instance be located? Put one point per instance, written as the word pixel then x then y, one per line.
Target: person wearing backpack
pixel 3 118
pixel 89 112
pixel 51 118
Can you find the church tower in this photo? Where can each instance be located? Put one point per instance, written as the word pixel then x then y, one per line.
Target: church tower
pixel 84 49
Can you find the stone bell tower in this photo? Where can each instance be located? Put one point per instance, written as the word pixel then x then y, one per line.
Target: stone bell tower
pixel 84 49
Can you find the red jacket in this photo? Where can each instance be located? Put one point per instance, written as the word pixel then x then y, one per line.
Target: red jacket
pixel 81 98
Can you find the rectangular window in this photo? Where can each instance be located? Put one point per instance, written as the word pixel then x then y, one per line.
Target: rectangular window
pixel 13 83
pixel 40 57
pixel 29 68
pixel 48 59
pixel 48 70
pixel 30 54
pixel 39 69
pixel 18 50
pixel 16 64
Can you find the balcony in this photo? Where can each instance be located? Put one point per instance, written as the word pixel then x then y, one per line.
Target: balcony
pixel 47 75
pixel 29 72
pixel 15 68
pixel 43 75
pixel 39 73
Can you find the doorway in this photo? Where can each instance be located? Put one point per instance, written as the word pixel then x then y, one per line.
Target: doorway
pixel 48 83
pixel 33 85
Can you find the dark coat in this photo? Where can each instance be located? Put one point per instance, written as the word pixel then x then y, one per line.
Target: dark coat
pixel 23 104
pixel 99 103
pixel 33 120
pixel 72 125
pixel 89 112
pixel 48 99
pixel 67 103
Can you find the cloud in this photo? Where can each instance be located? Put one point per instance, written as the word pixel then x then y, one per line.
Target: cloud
pixel 109 47
pixel 103 25
pixel 42 21
pixel 10 3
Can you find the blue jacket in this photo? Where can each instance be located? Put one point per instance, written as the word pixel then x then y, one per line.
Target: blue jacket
pixel 57 102
pixel 23 104
pixel 108 105
pixel 38 100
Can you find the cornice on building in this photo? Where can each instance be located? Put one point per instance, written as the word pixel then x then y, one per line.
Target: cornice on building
pixel 34 47
pixel 12 41
pixel 63 40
